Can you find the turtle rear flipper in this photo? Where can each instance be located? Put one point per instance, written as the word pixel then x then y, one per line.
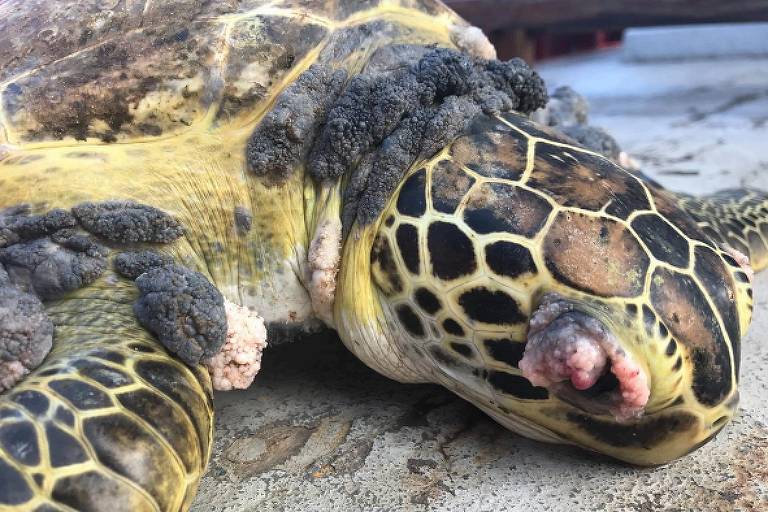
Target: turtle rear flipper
pixel 109 422
pixel 737 218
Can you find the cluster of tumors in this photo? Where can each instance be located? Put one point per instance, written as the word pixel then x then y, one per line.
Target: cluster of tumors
pixel 45 256
pixel 407 103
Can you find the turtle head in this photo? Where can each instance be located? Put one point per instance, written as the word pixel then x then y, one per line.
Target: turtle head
pixel 612 323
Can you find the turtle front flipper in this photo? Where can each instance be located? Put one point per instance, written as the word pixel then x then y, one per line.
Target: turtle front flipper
pixel 110 421
pixel 737 218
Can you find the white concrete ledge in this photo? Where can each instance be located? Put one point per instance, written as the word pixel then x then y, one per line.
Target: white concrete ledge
pixel 696 42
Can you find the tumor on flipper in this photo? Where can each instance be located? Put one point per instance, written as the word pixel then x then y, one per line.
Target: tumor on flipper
pixel 28 227
pixel 567 111
pixel 128 222
pixel 26 335
pixel 285 134
pixel 133 264
pixel 375 103
pixel 239 360
pixel 406 105
pixel 17 225
pixel 408 102
pixel 183 309
pixel 51 267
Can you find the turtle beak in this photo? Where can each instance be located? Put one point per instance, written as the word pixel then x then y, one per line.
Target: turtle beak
pixel 577 358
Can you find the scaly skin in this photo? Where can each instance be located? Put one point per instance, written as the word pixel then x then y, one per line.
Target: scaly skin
pixel 577 247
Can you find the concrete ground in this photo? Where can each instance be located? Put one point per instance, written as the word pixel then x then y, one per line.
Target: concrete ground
pixel 320 431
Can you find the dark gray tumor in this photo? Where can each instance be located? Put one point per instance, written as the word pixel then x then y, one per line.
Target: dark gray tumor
pixel 376 102
pixel 417 136
pixel 16 224
pixel 133 264
pixel 566 107
pixel 407 103
pixel 284 136
pixel 26 332
pixel 128 222
pixel 183 309
pixel 28 227
pixel 594 138
pixel 50 269
pixel 567 111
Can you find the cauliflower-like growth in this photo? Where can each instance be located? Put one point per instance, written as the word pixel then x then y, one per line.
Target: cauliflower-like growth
pixel 324 256
pixel 239 360
pixel 567 111
pixel 375 103
pixel 26 335
pixel 128 222
pixel 16 224
pixel 285 135
pixel 566 107
pixel 28 227
pixel 133 264
pixel 183 309
pixel 50 270
pixel 594 138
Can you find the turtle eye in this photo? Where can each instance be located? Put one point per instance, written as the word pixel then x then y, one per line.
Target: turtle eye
pixel 582 362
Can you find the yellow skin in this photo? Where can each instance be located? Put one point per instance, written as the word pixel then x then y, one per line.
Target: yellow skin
pixel 144 444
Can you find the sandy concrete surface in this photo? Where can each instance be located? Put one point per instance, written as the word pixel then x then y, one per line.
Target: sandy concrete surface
pixel 320 431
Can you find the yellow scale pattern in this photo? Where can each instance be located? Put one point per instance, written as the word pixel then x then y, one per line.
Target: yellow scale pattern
pixel 464 360
pixel 111 422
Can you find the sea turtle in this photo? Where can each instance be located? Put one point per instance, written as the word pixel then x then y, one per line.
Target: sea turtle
pixel 168 168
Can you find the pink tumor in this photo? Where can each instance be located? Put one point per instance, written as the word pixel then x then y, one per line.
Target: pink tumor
pixel 239 360
pixel 569 347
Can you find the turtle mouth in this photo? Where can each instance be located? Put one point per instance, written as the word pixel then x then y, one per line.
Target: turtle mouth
pixel 579 360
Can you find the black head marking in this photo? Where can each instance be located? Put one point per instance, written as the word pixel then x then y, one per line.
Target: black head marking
pixel 427 301
pixel 516 386
pixel 407 238
pixel 383 259
pixel 34 401
pixel 575 178
pixel 719 285
pixel 491 307
pixel 411 200
pixel 649 320
pixel 410 321
pixel 80 394
pixel 682 306
pixel 65 450
pixel 463 349
pixel 449 185
pixel 451 251
pixel 451 326
pixel 645 433
pixel 662 240
pixel 671 348
pixel 19 440
pixel 502 208
pixel 509 259
pixel 505 351
pixel 14 489
pixel 492 152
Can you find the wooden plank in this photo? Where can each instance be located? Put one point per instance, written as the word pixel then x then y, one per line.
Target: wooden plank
pixel 575 15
